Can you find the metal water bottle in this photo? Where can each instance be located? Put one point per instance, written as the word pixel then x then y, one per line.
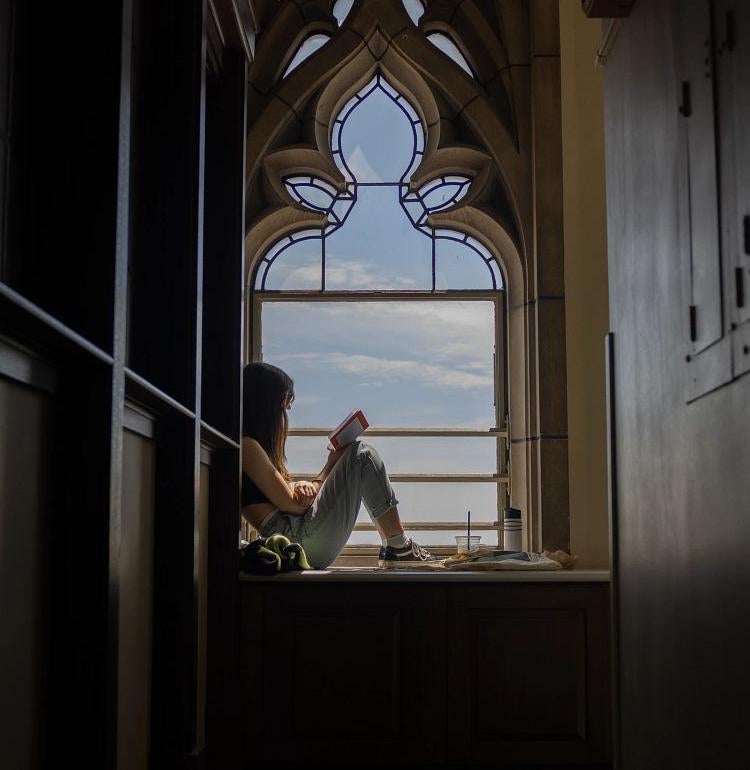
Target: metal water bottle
pixel 512 530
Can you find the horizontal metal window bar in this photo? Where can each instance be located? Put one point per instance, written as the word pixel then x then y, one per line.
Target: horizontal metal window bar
pixel 316 295
pixel 431 477
pixel 442 526
pixel 410 432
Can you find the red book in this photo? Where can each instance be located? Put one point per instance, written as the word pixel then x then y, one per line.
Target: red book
pixel 355 424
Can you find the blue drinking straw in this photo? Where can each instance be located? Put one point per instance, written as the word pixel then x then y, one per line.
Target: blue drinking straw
pixel 468 531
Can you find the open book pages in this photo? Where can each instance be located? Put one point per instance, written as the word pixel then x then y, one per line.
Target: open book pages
pixel 348 429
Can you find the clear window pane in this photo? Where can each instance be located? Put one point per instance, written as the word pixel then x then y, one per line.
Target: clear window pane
pixel 341 10
pixel 298 266
pixel 311 192
pixel 415 9
pixel 444 501
pixel 403 454
pixel 442 193
pixel 309 46
pixel 438 502
pixel 378 139
pixel 405 364
pixel 458 266
pixel 427 537
pixel 378 247
pixel 450 49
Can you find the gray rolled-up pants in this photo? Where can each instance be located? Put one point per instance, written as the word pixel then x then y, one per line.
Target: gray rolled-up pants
pixel 358 476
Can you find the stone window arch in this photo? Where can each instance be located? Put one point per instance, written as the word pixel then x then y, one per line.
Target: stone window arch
pixel 479 129
pixel 450 258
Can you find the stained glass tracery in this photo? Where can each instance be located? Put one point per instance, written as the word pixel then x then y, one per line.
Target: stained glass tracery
pixel 376 233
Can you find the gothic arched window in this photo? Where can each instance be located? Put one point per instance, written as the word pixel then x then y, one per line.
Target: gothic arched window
pixel 382 308
pixel 377 227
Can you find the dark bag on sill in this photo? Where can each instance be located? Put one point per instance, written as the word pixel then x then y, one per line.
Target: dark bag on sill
pixel 272 554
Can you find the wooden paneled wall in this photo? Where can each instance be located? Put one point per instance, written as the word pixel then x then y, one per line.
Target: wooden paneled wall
pixel 26 425
pixel 136 598
pixel 121 214
pixel 420 674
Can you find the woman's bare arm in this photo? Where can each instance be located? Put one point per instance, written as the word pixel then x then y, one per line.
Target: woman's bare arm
pixel 260 469
pixel 334 455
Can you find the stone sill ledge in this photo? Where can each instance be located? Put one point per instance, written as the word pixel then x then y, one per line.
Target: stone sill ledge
pixel 379 575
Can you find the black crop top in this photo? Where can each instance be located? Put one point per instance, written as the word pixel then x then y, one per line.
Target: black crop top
pixel 250 492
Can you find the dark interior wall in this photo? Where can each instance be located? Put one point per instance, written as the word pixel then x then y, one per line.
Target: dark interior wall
pixel 683 470
pixel 119 470
pixel 25 429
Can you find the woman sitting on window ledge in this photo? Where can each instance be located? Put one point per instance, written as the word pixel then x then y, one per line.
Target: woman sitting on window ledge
pixel 319 514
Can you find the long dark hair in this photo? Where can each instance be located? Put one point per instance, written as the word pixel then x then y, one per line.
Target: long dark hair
pixel 265 388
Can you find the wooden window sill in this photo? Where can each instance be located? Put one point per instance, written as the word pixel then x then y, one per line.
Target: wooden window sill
pixel 376 574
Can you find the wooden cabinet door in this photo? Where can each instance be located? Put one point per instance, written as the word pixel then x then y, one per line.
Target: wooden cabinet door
pixel 708 349
pixel 736 48
pixel 732 25
pixel 342 674
pixel 135 597
pixel 27 409
pixel 528 673
pixel 697 109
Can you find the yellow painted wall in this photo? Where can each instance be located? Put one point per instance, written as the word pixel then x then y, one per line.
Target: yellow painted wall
pixel 587 316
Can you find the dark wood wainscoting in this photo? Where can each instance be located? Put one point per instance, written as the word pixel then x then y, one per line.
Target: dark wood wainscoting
pixel 425 673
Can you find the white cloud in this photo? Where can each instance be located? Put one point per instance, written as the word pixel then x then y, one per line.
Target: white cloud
pixel 457 331
pixel 390 370
pixel 344 273
pixel 348 274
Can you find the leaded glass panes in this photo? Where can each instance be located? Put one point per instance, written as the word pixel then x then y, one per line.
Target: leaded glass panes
pixel 444 192
pixel 377 137
pixel 406 454
pixel 376 233
pixel 378 247
pixel 296 263
pixel 458 266
pixel 311 192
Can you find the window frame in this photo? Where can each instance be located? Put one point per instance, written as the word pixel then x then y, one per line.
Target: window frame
pixel 501 479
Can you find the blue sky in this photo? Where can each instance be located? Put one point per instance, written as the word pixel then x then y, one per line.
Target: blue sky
pixel 411 364
pixel 405 364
